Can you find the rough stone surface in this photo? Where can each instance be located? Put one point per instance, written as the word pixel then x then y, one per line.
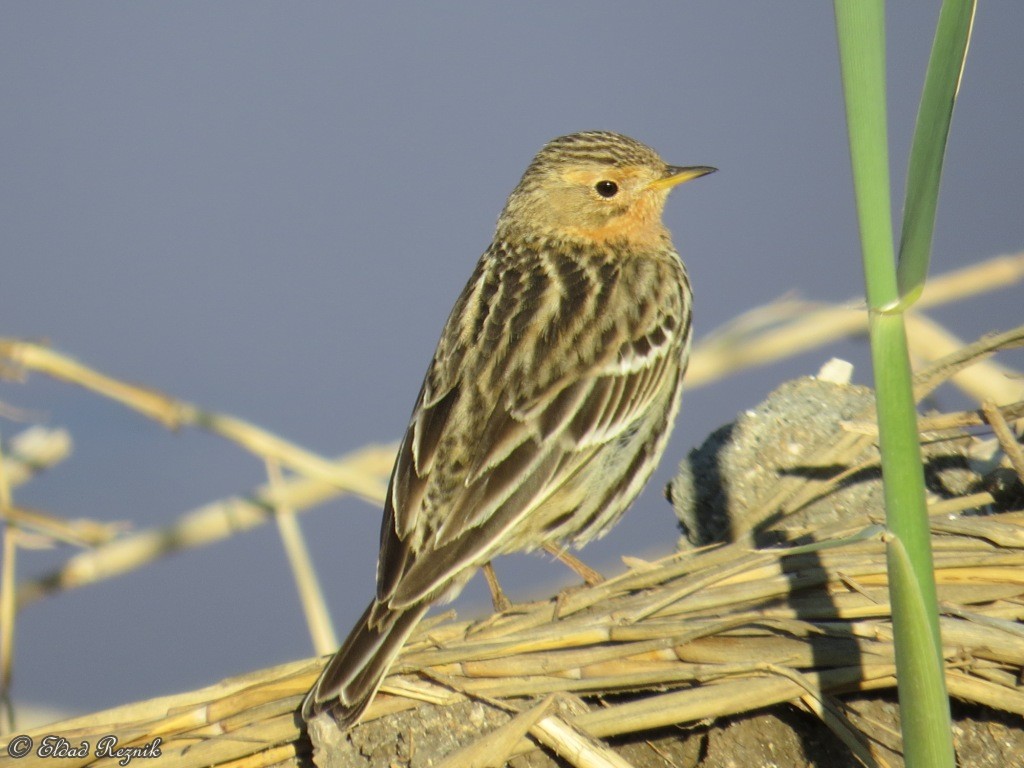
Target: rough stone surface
pixel 722 486
pixel 781 737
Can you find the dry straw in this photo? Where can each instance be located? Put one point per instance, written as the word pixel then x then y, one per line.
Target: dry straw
pixel 745 629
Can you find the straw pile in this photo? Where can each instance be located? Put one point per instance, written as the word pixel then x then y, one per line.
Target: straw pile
pixel 691 637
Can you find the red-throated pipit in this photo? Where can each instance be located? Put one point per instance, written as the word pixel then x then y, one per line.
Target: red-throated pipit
pixel 549 399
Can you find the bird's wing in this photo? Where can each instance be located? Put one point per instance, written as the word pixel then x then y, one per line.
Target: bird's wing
pixel 413 476
pixel 411 479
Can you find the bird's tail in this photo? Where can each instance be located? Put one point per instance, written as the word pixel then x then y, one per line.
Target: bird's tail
pixel 352 676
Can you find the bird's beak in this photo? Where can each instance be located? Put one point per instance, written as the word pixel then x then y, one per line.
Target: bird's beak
pixel 676 175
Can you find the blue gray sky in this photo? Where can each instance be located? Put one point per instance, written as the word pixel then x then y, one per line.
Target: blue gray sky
pixel 269 208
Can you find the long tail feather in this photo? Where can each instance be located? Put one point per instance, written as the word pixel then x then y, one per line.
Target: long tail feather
pixel 352 676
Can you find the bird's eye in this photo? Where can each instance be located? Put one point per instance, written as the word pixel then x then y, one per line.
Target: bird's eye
pixel 607 188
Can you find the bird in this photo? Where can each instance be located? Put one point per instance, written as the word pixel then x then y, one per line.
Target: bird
pixel 549 399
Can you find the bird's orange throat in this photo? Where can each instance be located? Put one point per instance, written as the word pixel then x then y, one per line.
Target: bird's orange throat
pixel 639 227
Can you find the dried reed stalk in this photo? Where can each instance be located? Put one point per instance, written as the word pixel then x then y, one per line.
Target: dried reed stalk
pixel 203 526
pixel 175 414
pixel 786 328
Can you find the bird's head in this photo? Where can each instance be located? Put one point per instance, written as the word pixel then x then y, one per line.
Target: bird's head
pixel 595 186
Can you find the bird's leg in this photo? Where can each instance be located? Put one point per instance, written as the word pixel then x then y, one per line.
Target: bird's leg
pixel 590 577
pixel 498 597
